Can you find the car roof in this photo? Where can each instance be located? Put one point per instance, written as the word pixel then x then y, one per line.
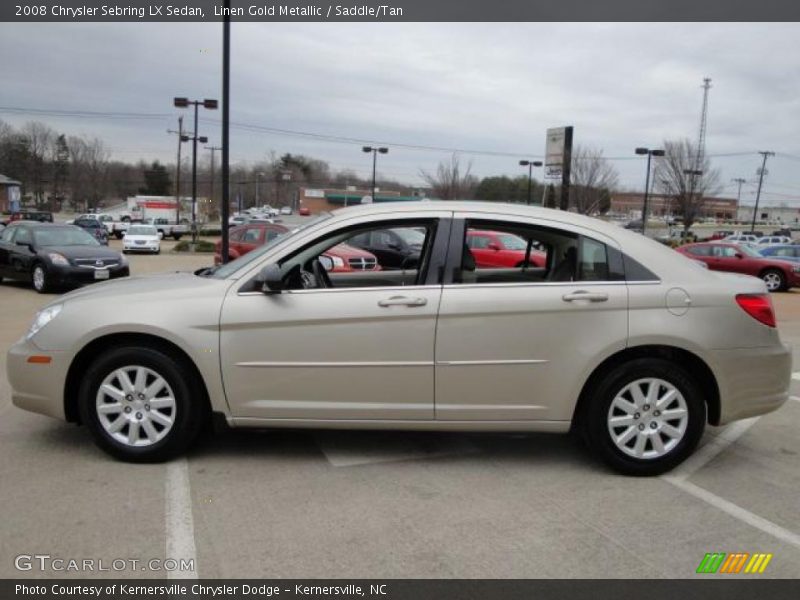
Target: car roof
pixel 37 224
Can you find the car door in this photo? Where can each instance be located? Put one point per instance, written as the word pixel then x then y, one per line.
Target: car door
pixel 731 259
pixel 513 344
pixel 354 353
pixel 6 248
pixel 20 254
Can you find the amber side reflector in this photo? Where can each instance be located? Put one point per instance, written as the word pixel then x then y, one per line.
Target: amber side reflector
pixel 758 306
pixel 39 359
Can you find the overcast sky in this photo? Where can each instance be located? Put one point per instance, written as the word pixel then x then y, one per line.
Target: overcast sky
pixel 490 88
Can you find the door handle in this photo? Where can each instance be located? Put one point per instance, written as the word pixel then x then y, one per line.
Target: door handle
pixel 584 295
pixel 402 301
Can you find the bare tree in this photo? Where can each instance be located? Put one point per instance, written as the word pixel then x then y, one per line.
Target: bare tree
pixel 40 140
pixel 591 174
pixel 686 177
pixel 449 183
pixel 88 170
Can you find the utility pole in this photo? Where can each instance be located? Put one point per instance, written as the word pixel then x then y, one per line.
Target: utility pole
pixel 213 149
pixel 761 172
pixel 181 138
pixel 740 182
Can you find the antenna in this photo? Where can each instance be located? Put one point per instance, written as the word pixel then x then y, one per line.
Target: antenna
pixel 701 137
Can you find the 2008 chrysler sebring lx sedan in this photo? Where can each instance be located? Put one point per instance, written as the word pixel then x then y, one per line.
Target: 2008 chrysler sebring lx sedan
pixel 615 337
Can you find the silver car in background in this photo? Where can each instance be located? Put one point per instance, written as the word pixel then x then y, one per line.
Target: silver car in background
pixel 616 337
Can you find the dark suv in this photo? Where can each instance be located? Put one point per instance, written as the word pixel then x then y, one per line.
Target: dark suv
pixel 95 227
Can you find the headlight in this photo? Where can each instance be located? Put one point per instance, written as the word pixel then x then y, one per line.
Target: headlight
pixel 58 259
pixel 42 318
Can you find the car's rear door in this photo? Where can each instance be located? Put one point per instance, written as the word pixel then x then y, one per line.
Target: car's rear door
pixel 516 344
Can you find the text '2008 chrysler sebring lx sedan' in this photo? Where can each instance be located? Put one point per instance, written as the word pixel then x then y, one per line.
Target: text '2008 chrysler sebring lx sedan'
pixel 611 335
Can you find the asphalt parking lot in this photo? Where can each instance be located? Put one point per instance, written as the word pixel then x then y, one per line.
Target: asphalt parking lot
pixel 384 505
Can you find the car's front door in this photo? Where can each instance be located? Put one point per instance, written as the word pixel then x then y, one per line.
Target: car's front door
pixel 351 353
pixel 514 343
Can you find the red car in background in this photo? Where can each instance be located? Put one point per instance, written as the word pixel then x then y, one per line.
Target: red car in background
pixel 497 249
pixel 779 275
pixel 248 237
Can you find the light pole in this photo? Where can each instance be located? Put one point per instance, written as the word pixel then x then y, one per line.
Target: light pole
pixel 374 163
pixel 650 153
pixel 258 176
pixel 181 102
pixel 530 164
pixel 181 138
pixel 213 149
pixel 761 172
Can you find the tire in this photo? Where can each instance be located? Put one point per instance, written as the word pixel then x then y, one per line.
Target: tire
pixel 119 235
pixel 141 437
pixel 158 251
pixel 642 421
pixel 40 279
pixel 775 280
pixel 177 237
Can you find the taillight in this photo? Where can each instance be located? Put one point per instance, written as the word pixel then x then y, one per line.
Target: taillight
pixel 758 306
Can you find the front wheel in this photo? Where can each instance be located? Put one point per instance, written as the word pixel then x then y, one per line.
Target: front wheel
pixel 41 282
pixel 645 417
pixel 177 237
pixel 775 280
pixel 140 406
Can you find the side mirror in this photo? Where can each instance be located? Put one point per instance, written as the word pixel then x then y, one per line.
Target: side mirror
pixel 739 255
pixel 326 262
pixel 493 246
pixel 271 278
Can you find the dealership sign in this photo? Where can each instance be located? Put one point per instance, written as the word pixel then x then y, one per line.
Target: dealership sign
pixel 558 148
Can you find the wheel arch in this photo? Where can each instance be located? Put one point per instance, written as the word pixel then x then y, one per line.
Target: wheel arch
pixel 695 365
pixel 96 347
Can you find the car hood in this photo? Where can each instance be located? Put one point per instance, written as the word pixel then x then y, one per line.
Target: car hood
pixel 149 288
pixel 82 251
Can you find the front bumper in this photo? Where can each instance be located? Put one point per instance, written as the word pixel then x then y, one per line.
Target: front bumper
pixel 37 387
pixel 140 247
pixel 72 275
pixel 752 381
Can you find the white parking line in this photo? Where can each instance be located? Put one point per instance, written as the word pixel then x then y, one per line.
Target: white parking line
pixel 795 398
pixel 679 477
pixel 707 453
pixel 796 375
pixel 738 512
pixel 179 520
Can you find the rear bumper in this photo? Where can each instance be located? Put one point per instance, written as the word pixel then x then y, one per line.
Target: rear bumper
pixel 752 381
pixel 37 387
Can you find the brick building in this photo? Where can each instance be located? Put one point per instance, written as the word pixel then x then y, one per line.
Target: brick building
pixel 630 204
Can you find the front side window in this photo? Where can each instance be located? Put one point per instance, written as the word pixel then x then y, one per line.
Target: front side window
pixel 23 236
pixel 252 235
pixel 700 250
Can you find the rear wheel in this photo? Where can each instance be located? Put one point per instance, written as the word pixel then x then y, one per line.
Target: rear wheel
pixel 775 280
pixel 41 282
pixel 140 406
pixel 644 417
pixel 177 237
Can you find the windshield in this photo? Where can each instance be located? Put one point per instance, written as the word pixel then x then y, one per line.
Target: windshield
pixel 142 230
pixel 223 271
pixel 63 236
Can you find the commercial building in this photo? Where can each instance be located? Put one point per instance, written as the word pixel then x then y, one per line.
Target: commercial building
pixel 325 199
pixel 630 204
pixel 771 214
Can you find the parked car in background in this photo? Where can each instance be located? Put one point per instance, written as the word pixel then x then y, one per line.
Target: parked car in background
pixel 773 240
pixel 499 249
pixel 618 339
pixel 778 275
pixel 40 216
pixel 304 211
pixel 790 252
pixel 167 228
pixel 114 226
pixel 94 227
pixel 395 248
pixel 237 219
pixel 342 257
pixel 54 256
pixel 248 237
pixel 635 226
pixel 741 237
pixel 286 210
pixel 721 235
pixel 142 238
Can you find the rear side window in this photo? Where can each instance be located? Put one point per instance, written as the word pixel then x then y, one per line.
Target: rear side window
pixel 593 261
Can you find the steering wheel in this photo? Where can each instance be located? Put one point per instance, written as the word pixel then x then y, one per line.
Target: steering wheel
pixel 320 274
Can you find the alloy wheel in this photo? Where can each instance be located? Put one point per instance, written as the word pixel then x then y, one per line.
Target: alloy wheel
pixel 648 418
pixel 135 406
pixel 773 281
pixel 38 278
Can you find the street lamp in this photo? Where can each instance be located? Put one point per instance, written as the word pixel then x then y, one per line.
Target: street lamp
pixel 650 153
pixel 530 164
pixel 374 162
pixel 180 102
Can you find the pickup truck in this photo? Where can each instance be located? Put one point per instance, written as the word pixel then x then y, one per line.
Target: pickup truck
pixel 166 228
pixel 114 226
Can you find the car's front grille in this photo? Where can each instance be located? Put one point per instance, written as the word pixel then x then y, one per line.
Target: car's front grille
pixel 96 263
pixel 362 264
